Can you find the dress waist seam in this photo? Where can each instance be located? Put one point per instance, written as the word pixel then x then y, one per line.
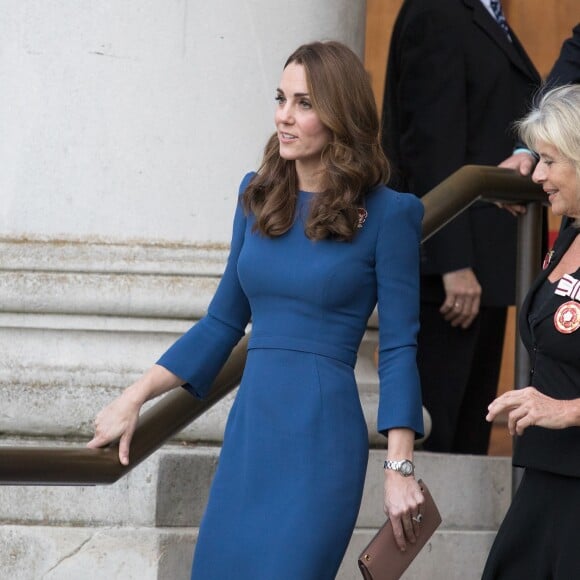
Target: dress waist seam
pixel 303 345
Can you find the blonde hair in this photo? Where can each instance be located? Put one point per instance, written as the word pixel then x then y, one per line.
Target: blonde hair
pixel 555 119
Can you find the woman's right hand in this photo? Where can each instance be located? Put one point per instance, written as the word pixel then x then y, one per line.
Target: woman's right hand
pixel 118 420
pixel 529 407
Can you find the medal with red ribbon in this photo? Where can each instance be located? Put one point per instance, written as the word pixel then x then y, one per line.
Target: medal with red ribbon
pixel 567 317
pixel 568 286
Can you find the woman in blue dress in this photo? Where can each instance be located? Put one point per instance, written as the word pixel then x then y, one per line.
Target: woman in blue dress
pixel 317 241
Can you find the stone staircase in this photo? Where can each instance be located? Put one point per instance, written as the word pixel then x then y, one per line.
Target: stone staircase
pixel 78 327
pixel 144 526
pixel 472 494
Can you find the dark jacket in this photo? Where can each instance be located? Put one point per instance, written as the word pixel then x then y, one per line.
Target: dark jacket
pixel 555 371
pixel 567 68
pixel 454 86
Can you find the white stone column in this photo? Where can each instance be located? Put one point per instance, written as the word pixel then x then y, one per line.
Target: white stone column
pixel 126 126
pixel 133 120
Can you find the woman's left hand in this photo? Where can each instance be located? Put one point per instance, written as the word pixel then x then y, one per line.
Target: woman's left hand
pixel 527 407
pixel 403 501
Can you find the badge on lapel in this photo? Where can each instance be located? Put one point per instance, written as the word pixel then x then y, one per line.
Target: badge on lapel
pixel 567 317
pixel 547 259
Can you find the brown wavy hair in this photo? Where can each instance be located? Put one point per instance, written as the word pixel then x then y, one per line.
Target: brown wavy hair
pixel 353 160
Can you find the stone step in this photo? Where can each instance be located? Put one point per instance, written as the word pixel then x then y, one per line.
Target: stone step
pixel 87 553
pixel 448 555
pixel 77 328
pixel 126 553
pixel 472 492
pixel 170 489
pixel 58 373
pixel 145 525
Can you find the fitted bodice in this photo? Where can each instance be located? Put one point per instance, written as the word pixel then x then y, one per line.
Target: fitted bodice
pixel 318 296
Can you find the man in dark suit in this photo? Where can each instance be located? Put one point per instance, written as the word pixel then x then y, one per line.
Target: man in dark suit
pixel 566 70
pixel 456 80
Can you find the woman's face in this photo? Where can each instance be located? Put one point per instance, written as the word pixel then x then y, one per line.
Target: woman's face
pixel 559 179
pixel 301 134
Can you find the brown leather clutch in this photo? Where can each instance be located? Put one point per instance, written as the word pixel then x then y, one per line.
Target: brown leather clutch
pixel 383 560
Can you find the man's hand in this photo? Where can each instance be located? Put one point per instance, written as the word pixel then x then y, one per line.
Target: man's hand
pixel 523 163
pixel 462 297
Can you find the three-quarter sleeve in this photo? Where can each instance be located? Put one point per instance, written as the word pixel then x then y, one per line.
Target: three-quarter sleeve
pixel 397 271
pixel 199 354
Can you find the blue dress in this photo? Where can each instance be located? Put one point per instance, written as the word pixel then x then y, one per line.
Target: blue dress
pixel 288 487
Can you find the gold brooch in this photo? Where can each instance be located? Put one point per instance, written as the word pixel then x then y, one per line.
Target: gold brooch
pixel 362 216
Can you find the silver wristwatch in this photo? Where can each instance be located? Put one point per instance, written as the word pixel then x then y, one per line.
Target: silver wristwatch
pixel 405 467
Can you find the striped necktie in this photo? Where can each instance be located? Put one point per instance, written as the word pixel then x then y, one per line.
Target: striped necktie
pixel 498 13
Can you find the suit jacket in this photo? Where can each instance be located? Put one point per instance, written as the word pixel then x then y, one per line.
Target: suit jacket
pixel 454 86
pixel 567 68
pixel 555 371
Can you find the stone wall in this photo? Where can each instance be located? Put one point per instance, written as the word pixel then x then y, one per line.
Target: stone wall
pixel 126 128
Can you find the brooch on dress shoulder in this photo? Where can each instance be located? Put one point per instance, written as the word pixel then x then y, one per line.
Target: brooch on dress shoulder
pixel 362 216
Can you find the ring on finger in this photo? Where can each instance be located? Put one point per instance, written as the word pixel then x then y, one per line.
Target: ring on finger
pixel 418 518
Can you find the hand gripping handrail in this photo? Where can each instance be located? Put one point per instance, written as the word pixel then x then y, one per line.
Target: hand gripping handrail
pixel 82 466
pixel 173 412
pixel 472 183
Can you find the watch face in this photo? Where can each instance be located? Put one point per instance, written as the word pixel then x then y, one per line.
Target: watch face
pixel 406 468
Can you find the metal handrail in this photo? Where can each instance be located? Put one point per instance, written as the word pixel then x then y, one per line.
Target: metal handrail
pixel 473 183
pixel 82 466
